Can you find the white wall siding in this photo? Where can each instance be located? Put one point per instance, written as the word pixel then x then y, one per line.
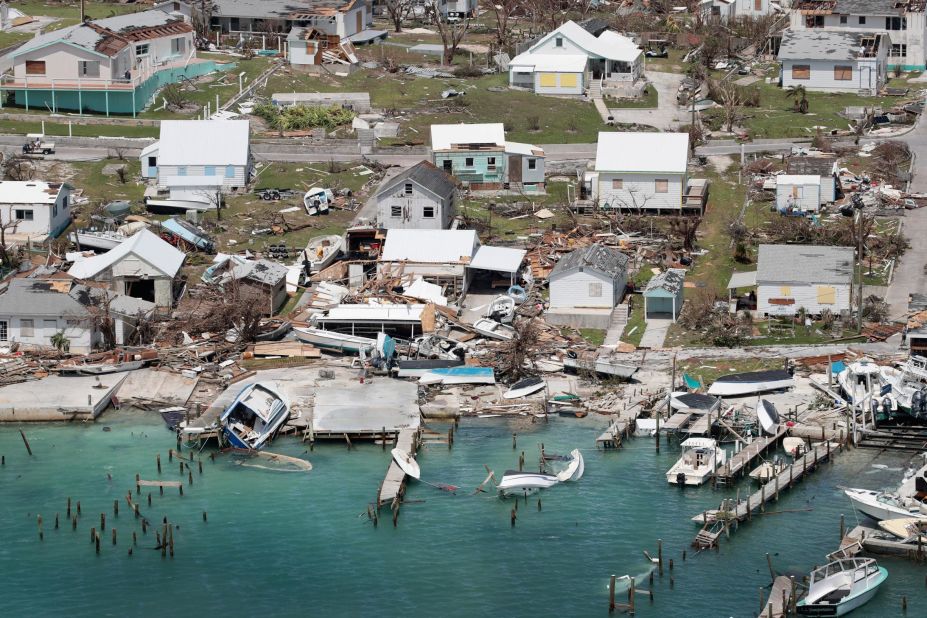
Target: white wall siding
pixel 47 219
pixel 804 295
pixel 560 78
pixel 297 53
pixel 865 76
pixel 412 209
pixel 572 290
pixel 60 63
pixel 43 327
pixel 639 191
pixel 238 179
pixel 803 197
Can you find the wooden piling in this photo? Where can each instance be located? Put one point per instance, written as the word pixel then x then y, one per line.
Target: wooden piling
pixel 93 534
pixel 69 508
pixel 170 454
pixel 513 517
pixel 159 462
pixel 26 442
pixel 56 521
pixel 115 508
pixel 631 595
pixel 181 489
pixel 134 539
pixel 660 555
pixel 114 536
pixel 74 523
pixel 539 504
pixel 78 508
pixel 149 496
pixel 200 465
pixel 513 442
pixel 843 528
pixel 204 516
pixel 38 521
pixel 97 542
pixel 190 477
pixel 102 521
pixel 181 467
pixel 611 594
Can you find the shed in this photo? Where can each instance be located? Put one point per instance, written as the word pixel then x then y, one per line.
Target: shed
pixel 798 193
pixel 593 277
pixel 663 296
pixel 503 260
pixel 825 167
pixel 790 277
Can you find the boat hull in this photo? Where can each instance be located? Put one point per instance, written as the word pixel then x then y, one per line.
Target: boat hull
pixel 93 241
pixel 866 502
pixel 167 207
pixel 330 340
pixel 519 483
pixel 847 606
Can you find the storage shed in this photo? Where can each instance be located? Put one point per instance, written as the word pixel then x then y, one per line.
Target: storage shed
pixel 798 193
pixel 663 296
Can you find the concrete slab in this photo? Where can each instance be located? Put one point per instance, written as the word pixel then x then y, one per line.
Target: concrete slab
pixel 347 406
pixel 59 398
pixel 157 386
pixel 655 334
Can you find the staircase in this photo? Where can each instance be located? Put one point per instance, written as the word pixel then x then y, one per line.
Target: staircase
pixel 595 89
pixel 616 324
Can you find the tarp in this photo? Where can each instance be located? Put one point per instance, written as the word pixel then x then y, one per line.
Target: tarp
pixel 742 280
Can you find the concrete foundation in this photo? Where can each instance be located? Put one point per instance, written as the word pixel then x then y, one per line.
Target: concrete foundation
pixel 58 398
pixel 579 318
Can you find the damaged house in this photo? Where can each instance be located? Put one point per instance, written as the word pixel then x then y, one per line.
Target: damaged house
pixel 422 197
pixel 260 281
pixel 833 61
pixel 586 285
pixel 33 209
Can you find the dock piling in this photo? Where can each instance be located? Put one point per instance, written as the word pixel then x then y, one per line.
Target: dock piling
pixel 26 442
pixel 115 508
pixel 69 508
pixel 102 521
pixel 660 556
pixel 611 594
pixel 843 528
pixel 114 536
pixel 158 458
pixel 56 521
pixel 513 442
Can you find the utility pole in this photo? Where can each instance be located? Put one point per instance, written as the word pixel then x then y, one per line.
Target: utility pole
pixel 81 11
pixel 859 271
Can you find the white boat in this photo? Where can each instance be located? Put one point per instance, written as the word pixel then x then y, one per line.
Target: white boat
pixel 750 383
pixel 494 330
pixel 768 470
pixel 908 386
pixel 609 366
pixel 861 380
pixel 331 340
pixel 518 483
pixel 882 505
pixel 575 468
pixel 906 528
pixel 701 457
pixel 645 427
pixel 317 200
pixel 406 463
pixel 795 447
pixel 767 417
pixel 169 206
pixel 255 416
pixel 101 240
pixel 525 387
pixel 321 252
pixel 841 586
pixel 502 309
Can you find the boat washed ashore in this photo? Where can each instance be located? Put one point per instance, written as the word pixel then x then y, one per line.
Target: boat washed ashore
pixel 753 382
pixel 841 586
pixel 255 416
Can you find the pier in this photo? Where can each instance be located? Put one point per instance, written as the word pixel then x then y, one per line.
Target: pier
pixel 780 599
pixel 393 486
pixel 741 460
pixel 60 398
pixel 873 541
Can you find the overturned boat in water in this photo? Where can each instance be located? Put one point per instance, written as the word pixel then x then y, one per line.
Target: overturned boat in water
pixel 255 416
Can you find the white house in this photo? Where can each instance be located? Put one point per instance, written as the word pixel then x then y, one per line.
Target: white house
pixel 902 20
pixel 753 8
pixel 592 277
pixel 144 266
pixel 342 19
pixel 798 193
pixel 194 155
pixel 422 197
pixel 41 209
pixel 790 277
pixel 640 171
pixel 569 60
pixel 832 61
pixel 823 166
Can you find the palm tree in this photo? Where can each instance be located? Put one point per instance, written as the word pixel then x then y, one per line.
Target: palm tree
pixel 60 342
pixel 801 97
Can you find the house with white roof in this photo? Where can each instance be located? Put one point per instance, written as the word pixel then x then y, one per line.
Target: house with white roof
pixel 196 156
pixel 480 157
pixel 40 210
pixel 834 61
pixel 144 267
pixel 798 193
pixel 570 59
pixel 640 172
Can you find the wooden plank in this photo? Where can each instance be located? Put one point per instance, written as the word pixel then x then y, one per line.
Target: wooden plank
pixel 287 349
pixel 676 421
pixel 781 589
pixel 159 483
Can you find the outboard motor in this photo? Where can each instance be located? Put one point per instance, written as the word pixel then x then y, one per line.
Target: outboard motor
pixel 874 404
pixel 915 402
pixel 681 479
pixel 922 405
pixel 887 407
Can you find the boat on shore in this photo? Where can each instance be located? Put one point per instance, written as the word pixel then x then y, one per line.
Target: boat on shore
pixel 317 200
pixel 331 340
pixel 114 362
pixel 321 252
pixel 173 207
pixel 604 365
pixel 750 383
pixel 908 384
pixel 273 330
pixel 861 380
pixel 494 330
pixel 255 416
pixel 525 387
pixel 701 457
pixel 502 309
pixel 841 586
pixel 768 417
pixel 459 375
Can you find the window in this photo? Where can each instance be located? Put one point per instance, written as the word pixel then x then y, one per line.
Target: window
pixel 24 215
pixel 408 189
pixel 26 328
pixel 899 50
pixel 428 212
pixel 178 46
pixel 4 330
pixel 896 23
pixel 230 171
pixel 395 211
pixel 757 5
pixel 182 170
pixel 661 186
pixel 491 164
pixel 234 24
pixel 862 20
pixel 468 161
pixel 50 326
pixel 814 21
pixel 141 49
pixel 64 203
pixel 35 67
pixel 801 71
pixel 617 183
pixel 558 42
pixel 595 290
pixel 152 161
pixel 209 170
pixel 532 164
pixel 843 19
pixel 72 324
pixel 447 165
pixel 843 73
pixel 88 68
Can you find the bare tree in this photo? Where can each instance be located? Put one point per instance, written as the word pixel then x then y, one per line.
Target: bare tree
pixel 451 33
pixel 504 12
pixel 7 223
pixel 397 10
pixel 731 99
pixel 16 167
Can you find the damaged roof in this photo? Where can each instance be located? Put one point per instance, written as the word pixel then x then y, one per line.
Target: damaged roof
pixel 670 281
pixel 822 166
pixel 811 264
pixel 875 7
pixel 143 245
pixel 281 9
pixel 426 175
pixel 262 271
pixel 824 44
pixel 29 192
pixel 600 258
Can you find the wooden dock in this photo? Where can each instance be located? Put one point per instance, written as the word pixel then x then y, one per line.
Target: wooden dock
pixel 873 541
pixel 676 422
pixel 716 522
pixel 393 486
pixel 611 438
pixel 740 461
pixel 700 426
pixel 780 599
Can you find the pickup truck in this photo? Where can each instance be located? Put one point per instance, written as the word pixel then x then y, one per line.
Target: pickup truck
pixel 38 145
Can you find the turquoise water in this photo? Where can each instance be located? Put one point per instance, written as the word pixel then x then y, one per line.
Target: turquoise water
pixel 297 544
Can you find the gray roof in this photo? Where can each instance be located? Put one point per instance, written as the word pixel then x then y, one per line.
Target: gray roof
pixel 670 280
pixel 868 7
pixel 605 260
pixel 810 264
pixel 426 175
pixel 32 297
pixel 820 45
pixel 821 166
pixel 262 271
pixel 273 8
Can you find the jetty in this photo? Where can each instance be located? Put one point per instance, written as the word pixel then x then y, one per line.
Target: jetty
pixel 393 487
pixel 727 518
pixel 677 421
pixel 780 599
pixel 741 460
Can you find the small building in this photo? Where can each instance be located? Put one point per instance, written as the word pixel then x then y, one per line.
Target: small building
pixel 824 167
pixel 41 210
pixel 344 19
pixel 640 172
pixel 834 61
pixel 791 277
pixel 664 295
pixel 570 60
pixel 259 281
pixel 144 267
pixel 586 285
pixel 199 156
pixel 422 197
pixel 308 49
pixel 479 156
pixel 798 193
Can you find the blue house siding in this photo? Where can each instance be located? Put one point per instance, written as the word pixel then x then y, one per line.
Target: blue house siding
pixel 474 167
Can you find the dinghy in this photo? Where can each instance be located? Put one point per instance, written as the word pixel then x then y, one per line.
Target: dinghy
pixel 767 470
pixel 840 587
pixel 255 416
pixel 459 375
pixel 494 330
pixel 750 383
pixel 518 483
pixel 525 387
pixel 768 417
pixel 406 463
pixel 331 340
pixel 321 251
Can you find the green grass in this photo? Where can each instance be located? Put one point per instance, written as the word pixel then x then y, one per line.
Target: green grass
pixel 799 335
pixel 71 10
pixel 634 329
pixel 650 100
pixel 11 38
pixel 595 336
pixel 672 63
pixel 16 127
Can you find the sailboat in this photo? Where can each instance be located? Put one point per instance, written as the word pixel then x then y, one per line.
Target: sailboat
pixel 841 586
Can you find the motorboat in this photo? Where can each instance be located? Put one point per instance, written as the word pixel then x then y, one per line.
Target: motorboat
pixel 494 330
pixel 753 382
pixel 317 200
pixel 255 416
pixel 502 309
pixel 273 330
pixel 907 529
pixel 321 252
pixel 861 380
pixel 795 447
pixel 841 586
pixel 767 417
pixel 459 375
pixel 177 206
pixel 436 346
pixel 883 505
pixel 525 387
pixel 701 457
pixel 100 240
pixel 612 367
pixel 114 362
pixel 768 470
pixel 519 483
pixel 331 340
pixel 406 462
pixel 908 385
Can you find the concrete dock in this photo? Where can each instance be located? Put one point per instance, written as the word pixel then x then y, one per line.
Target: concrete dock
pixel 59 398
pixel 156 386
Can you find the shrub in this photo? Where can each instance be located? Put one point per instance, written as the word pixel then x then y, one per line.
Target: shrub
pixel 301 117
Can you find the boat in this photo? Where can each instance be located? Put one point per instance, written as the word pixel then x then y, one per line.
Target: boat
pixel 605 365
pixel 645 427
pixel 751 383
pixel 518 483
pixel 700 458
pixel 694 401
pixel 317 200
pixel 768 470
pixel 906 386
pixel 255 416
pixel 909 529
pixel 101 240
pixel 459 375
pixel 494 330
pixel 192 236
pixel 861 380
pixel 406 462
pixel 547 365
pixel 115 362
pixel 321 251
pixel 418 367
pixel 795 447
pixel 502 309
pixel 841 586
pixel 273 330
pixel 883 505
pixel 331 340
pixel 525 387
pixel 574 469
pixel 571 412
pixel 171 207
pixel 768 417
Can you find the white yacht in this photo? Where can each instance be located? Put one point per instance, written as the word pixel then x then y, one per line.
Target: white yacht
pixel 907 501
pixel 861 380
pixel 701 457
pixel 841 586
pixel 909 386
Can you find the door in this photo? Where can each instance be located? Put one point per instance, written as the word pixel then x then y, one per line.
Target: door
pixel 360 21
pixel 865 78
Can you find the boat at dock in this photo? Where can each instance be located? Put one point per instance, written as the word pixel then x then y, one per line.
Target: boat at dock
pixel 908 385
pixel 321 252
pixel 908 529
pixel 841 586
pixel 701 457
pixel 750 383
pixel 255 416
pixel 882 505
pixel 331 340
pixel 459 375
pixel 795 447
pixel 406 462
pixel 767 417
pixel 768 470
pixel 494 330
pixel 525 387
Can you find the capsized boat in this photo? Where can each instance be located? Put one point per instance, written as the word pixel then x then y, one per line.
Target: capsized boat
pixel 906 528
pixel 575 468
pixel 701 457
pixel 518 483
pixel 406 462
pixel 768 417
pixel 331 340
pixel 605 365
pixel 255 416
pixel 841 586
pixel 752 382
pixel 494 330
pixel 321 251
pixel 317 200
pixel 525 387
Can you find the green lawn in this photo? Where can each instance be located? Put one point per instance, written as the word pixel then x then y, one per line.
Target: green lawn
pixel 634 329
pixel 510 228
pixel 775 333
pixel 16 127
pixel 100 188
pixel 648 101
pixel 595 336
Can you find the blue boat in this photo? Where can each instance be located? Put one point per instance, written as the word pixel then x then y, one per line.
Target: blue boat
pixel 255 416
pixel 188 233
pixel 459 375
